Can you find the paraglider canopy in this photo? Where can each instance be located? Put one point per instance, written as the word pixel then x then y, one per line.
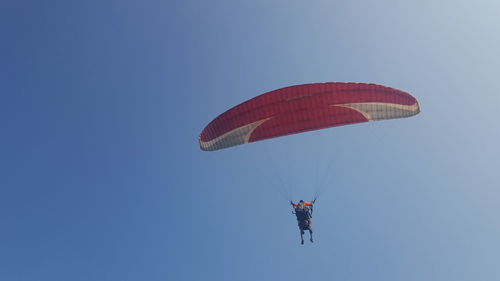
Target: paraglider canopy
pixel 302 108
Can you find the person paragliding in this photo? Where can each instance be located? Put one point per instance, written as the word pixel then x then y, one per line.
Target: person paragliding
pixel 302 108
pixel 303 212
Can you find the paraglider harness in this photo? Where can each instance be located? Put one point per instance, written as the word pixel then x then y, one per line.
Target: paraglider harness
pixel 305 218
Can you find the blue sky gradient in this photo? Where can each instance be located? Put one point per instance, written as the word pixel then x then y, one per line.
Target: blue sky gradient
pixel 102 177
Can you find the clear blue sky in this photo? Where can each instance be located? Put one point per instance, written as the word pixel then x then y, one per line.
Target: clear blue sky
pixel 101 103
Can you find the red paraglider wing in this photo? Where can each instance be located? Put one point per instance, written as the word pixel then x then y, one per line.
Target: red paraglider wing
pixel 304 108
